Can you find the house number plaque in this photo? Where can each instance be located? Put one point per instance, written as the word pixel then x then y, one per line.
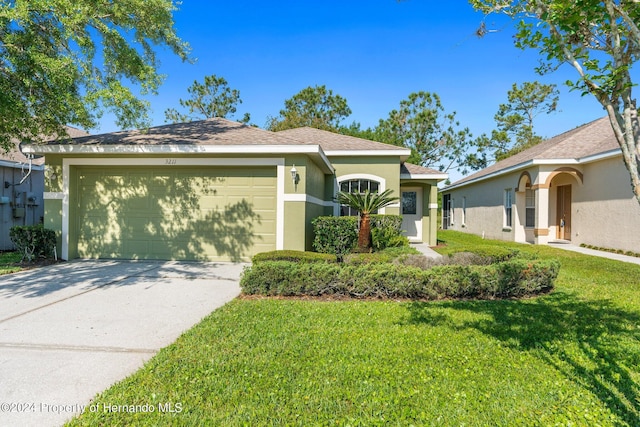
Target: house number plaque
pixel 170 161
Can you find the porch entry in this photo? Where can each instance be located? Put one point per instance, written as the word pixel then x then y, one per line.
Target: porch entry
pixel 563 212
pixel 411 211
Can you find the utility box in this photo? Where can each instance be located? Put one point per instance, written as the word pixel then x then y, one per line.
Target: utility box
pixel 18 212
pixel 32 199
pixel 4 200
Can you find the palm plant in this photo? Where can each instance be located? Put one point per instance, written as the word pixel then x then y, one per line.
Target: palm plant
pixel 365 203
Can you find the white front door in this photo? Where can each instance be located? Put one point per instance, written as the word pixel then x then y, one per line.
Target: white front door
pixel 411 211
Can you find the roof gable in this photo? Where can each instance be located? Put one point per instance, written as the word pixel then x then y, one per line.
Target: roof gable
pixel 214 131
pixel 336 142
pixel 584 141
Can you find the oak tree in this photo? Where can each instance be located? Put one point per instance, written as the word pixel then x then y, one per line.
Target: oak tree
pixel 65 62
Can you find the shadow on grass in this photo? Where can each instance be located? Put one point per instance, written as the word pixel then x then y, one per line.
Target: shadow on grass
pixel 593 343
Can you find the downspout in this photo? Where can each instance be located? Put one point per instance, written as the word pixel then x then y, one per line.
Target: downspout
pixel 24 178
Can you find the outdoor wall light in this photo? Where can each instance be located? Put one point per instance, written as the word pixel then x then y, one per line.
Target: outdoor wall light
pixel 294 174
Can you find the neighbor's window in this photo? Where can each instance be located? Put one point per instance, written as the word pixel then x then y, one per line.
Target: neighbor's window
pixel 447 220
pixel 464 211
pixel 508 207
pixel 356 186
pixel 530 209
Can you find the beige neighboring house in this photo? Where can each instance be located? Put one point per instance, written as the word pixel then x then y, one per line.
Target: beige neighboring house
pixel 219 190
pixel 573 187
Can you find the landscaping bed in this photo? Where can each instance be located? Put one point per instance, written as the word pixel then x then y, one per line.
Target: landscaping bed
pixel 487 274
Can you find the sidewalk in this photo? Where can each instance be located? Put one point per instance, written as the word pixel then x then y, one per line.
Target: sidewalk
pixel 602 254
pixel 426 250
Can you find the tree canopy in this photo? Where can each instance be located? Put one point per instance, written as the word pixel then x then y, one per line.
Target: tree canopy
pixel 64 62
pixel 515 120
pixel 422 124
pixel 212 98
pixel 600 39
pixel 316 107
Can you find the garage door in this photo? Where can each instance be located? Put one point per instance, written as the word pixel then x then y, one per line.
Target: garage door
pixel 193 213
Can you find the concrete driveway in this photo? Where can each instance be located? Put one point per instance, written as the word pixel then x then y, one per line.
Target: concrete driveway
pixel 69 331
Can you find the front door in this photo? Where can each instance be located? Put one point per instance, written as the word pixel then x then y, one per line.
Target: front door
pixel 563 210
pixel 411 211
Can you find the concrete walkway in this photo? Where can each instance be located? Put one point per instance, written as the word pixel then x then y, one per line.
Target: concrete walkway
pixel 602 254
pixel 70 330
pixel 426 250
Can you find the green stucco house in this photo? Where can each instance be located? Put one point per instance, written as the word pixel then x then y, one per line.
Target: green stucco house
pixel 218 190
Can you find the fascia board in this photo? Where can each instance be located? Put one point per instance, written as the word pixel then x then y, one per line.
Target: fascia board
pixel 438 177
pixel 312 150
pixel 347 153
pixel 535 162
pixel 17 165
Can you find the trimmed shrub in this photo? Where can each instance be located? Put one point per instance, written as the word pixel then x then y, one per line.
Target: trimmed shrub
pixel 292 256
pixel 337 235
pixel 367 258
pixel 33 241
pixel 393 222
pixel 513 278
pixel 493 254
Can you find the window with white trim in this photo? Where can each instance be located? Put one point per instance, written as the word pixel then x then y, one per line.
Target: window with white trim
pixel 357 186
pixel 508 208
pixel 530 208
pixel 463 220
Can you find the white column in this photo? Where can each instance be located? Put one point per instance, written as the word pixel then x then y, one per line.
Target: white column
pixel 541 230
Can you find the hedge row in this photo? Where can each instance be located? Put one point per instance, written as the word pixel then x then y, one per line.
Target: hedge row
pixel 513 278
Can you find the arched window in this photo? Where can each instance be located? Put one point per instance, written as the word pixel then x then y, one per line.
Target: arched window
pixel 359 185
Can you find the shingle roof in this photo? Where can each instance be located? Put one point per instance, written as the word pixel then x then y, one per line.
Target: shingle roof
pixel 16 155
pixel 411 169
pixel 215 131
pixel 330 141
pixel 587 140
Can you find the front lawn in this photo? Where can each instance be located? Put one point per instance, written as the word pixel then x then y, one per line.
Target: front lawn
pixel 571 357
pixel 8 261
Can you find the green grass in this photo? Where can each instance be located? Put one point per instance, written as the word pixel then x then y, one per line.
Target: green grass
pixel 569 358
pixel 7 261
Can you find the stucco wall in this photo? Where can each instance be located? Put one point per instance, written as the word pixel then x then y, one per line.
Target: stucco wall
pixel 386 168
pixel 605 213
pixel 484 207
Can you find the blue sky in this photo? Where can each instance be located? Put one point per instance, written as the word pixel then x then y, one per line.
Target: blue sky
pixel 374 53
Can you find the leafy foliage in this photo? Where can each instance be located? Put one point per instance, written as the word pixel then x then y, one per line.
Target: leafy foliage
pixel 422 124
pixel 33 241
pixel 365 203
pixel 212 98
pixel 54 73
pixel 514 120
pixel 337 235
pixel 316 107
